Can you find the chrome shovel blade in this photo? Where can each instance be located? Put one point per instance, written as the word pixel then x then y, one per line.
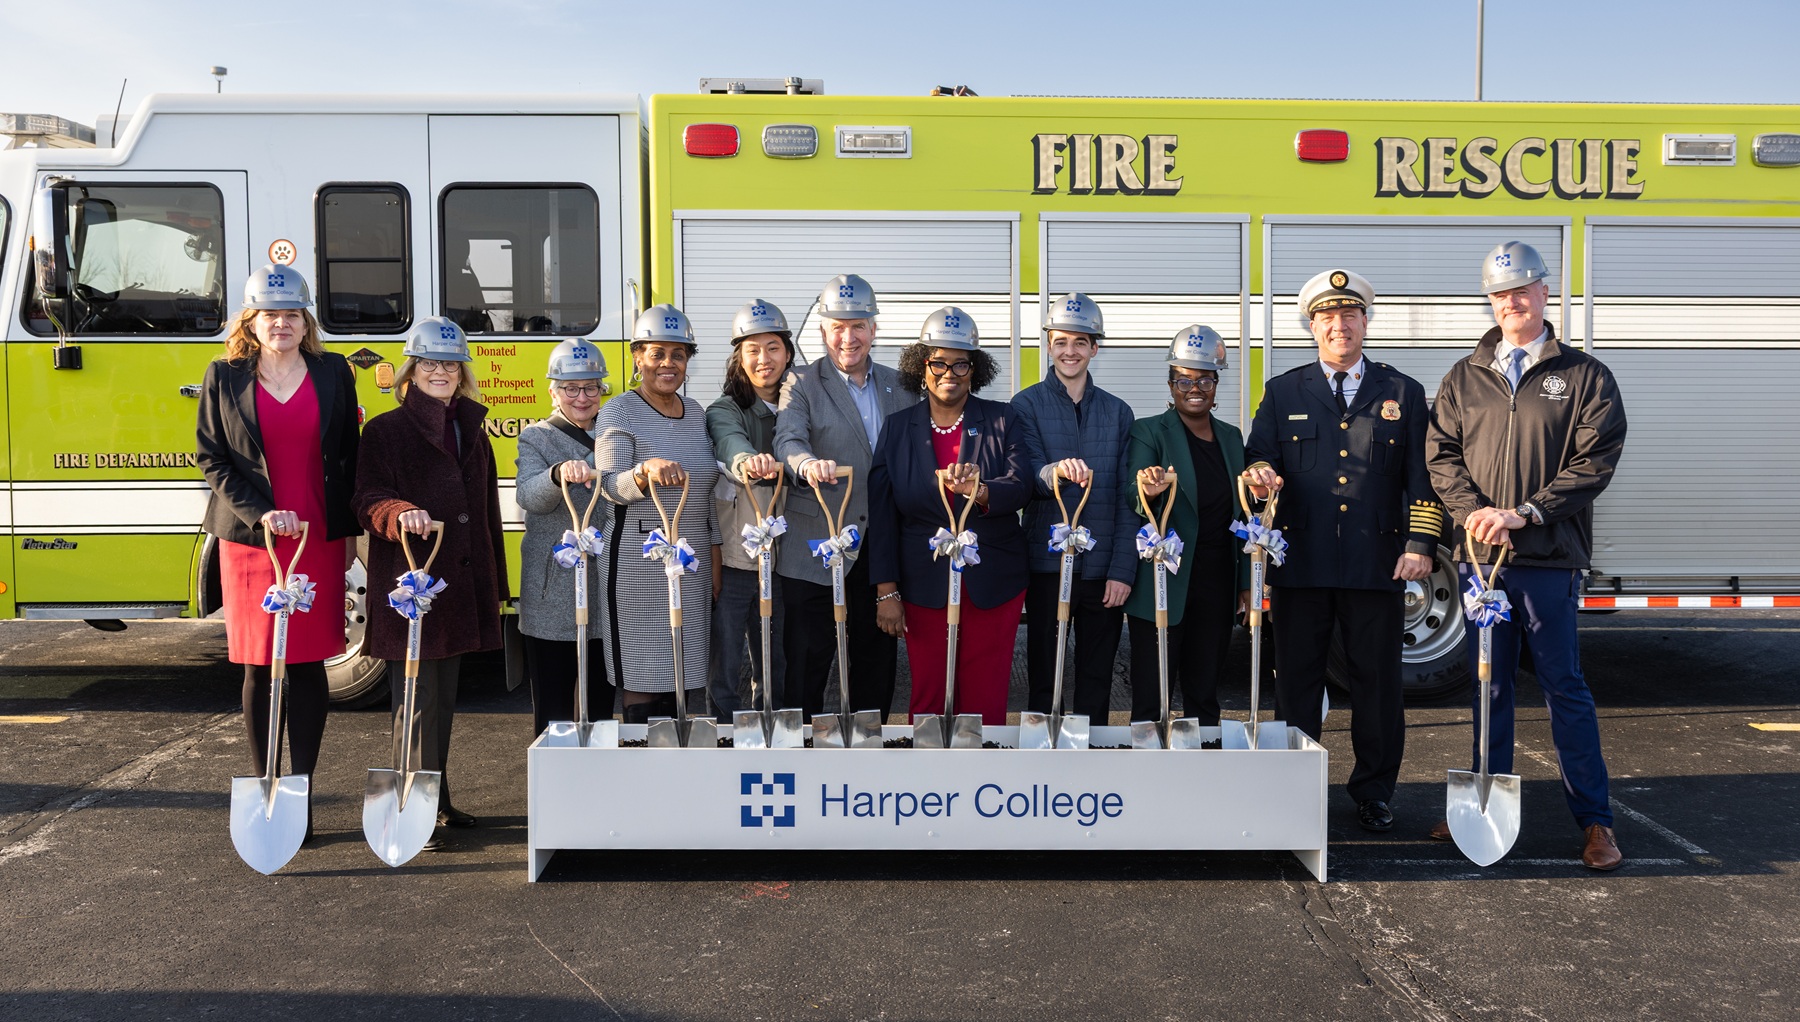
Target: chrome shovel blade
pixel 1484 834
pixel 1034 730
pixel 784 731
pixel 965 731
pixel 1184 733
pixel 858 730
pixel 566 734
pixel 1146 735
pixel 268 831
pixel 1272 734
pixel 828 731
pixel 1074 731
pixel 928 731
pixel 787 730
pixel 397 822
pixel 1233 735
pixel 665 733
pixel 747 730
pixel 703 733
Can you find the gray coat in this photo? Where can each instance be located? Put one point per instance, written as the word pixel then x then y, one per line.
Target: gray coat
pixel 546 589
pixel 818 420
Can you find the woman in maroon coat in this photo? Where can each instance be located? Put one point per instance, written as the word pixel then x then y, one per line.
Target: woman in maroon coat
pixel 430 460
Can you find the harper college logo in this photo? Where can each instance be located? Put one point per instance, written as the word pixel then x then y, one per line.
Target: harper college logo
pixel 757 815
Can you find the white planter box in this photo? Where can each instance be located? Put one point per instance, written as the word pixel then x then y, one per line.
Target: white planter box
pixel 888 799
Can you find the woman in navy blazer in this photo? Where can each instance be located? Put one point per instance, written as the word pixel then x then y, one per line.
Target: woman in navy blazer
pixel 972 439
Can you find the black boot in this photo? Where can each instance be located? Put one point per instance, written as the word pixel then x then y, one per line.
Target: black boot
pixel 449 815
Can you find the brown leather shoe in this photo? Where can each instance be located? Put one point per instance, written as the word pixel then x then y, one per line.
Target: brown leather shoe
pixel 1601 851
pixel 1440 831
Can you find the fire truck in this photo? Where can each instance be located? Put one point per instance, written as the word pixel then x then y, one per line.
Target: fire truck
pixel 1672 233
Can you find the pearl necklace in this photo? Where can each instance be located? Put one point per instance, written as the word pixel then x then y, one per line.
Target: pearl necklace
pixel 949 430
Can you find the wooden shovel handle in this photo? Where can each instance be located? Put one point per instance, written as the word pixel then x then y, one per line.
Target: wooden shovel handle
pixel 671 528
pixel 281 577
pixel 1268 511
pixel 406 548
pixel 579 520
pixel 763 511
pixel 836 525
pixel 1475 562
pixel 1056 478
pixel 943 484
pixel 1162 525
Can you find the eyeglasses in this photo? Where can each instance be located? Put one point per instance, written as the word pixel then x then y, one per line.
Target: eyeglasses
pixel 432 365
pixel 1187 383
pixel 580 389
pixel 939 367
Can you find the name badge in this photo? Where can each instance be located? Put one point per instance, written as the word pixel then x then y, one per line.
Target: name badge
pixel 1302 415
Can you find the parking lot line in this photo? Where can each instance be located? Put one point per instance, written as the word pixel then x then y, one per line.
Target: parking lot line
pixel 1683 843
pixel 1776 727
pixel 32 719
pixel 1342 862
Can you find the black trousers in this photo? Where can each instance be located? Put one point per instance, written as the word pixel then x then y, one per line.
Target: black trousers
pixel 308 698
pixel 434 707
pixel 809 637
pixel 550 664
pixel 1198 645
pixel 1369 620
pixel 1094 629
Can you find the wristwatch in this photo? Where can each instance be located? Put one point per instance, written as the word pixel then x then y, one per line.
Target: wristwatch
pixel 1527 512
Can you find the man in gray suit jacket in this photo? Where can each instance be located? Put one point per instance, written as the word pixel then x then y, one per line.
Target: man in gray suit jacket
pixel 830 419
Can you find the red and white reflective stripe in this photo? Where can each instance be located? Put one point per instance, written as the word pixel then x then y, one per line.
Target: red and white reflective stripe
pixel 1688 602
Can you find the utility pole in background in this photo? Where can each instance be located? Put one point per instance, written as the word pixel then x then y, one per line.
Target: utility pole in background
pixel 218 74
pixel 1480 25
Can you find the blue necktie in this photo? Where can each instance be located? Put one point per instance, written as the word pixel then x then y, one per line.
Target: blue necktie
pixel 1516 369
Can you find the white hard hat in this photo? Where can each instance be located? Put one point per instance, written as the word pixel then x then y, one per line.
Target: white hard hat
pixel 437 338
pixel 663 323
pixel 1075 313
pixel 1198 347
pixel 950 327
pixel 847 296
pixel 276 287
pixel 577 359
pixel 1335 289
pixel 759 317
pixel 1514 264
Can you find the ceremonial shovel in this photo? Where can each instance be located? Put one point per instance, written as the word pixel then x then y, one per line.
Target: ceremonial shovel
pixel 1165 732
pixel 1239 734
pixel 400 806
pixel 268 813
pixel 950 730
pixel 767 728
pixel 582 732
pixel 1054 730
pixel 1482 808
pixel 679 732
pixel 845 729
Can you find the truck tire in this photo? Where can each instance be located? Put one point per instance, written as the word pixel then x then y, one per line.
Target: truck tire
pixel 356 680
pixel 1433 660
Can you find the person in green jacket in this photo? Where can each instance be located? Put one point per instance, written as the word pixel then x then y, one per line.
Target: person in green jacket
pixel 1212 584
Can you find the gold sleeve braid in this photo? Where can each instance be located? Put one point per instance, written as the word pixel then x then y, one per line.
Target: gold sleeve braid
pixel 1427 518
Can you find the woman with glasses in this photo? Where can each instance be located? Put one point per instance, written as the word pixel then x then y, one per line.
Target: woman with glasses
pixel 741 422
pixel 653 434
pixel 278 444
pixel 1213 582
pixel 430 460
pixel 554 451
pixel 973 441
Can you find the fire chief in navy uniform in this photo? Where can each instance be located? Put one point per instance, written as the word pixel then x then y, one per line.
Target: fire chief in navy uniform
pixel 1343 439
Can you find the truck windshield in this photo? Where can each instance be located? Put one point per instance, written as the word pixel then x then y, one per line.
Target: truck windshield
pixel 145 260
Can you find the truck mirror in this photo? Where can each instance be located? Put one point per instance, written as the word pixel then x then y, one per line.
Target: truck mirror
pixel 50 244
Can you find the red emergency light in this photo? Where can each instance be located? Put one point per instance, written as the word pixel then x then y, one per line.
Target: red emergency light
pixel 710 139
pixel 1322 145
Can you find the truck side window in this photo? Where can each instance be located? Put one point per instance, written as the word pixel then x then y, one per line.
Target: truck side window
pixel 521 259
pixel 365 270
pixel 146 260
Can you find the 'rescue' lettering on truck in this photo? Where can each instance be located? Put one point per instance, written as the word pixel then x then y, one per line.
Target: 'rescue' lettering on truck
pixel 1587 168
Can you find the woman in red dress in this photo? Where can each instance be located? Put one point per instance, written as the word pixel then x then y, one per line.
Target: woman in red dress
pixel 277 441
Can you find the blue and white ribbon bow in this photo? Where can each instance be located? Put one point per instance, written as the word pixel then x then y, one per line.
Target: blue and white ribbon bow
pixel 677 557
pixel 759 537
pixel 296 597
pixel 1155 547
pixel 1485 606
pixel 412 598
pixel 574 544
pixel 1064 540
pixel 960 547
pixel 1256 534
pixel 832 549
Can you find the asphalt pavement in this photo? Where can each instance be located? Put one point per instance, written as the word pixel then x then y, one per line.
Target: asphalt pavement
pixel 121 896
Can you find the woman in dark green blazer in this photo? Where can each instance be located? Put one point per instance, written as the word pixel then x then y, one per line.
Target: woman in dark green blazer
pixel 1213 582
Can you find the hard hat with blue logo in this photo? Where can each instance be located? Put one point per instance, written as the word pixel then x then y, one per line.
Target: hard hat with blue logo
pixel 950 327
pixel 577 359
pixel 276 287
pixel 437 338
pixel 847 296
pixel 759 317
pixel 1198 347
pixel 1512 265
pixel 1075 313
pixel 664 323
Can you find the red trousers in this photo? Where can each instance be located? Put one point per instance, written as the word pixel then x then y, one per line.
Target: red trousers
pixel 984 658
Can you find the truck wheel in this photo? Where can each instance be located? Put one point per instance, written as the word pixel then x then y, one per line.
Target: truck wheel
pixel 1433 664
pixel 356 680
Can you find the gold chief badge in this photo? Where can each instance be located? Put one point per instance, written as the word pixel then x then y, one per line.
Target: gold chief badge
pixel 1390 410
pixel 1338 280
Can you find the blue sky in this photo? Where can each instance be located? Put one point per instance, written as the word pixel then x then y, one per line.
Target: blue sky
pixel 1653 50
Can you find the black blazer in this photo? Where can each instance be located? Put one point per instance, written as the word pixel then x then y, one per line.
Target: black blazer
pixel 231 455
pixel 905 511
pixel 1356 490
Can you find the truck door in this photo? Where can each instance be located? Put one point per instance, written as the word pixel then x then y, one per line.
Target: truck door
pixel 107 497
